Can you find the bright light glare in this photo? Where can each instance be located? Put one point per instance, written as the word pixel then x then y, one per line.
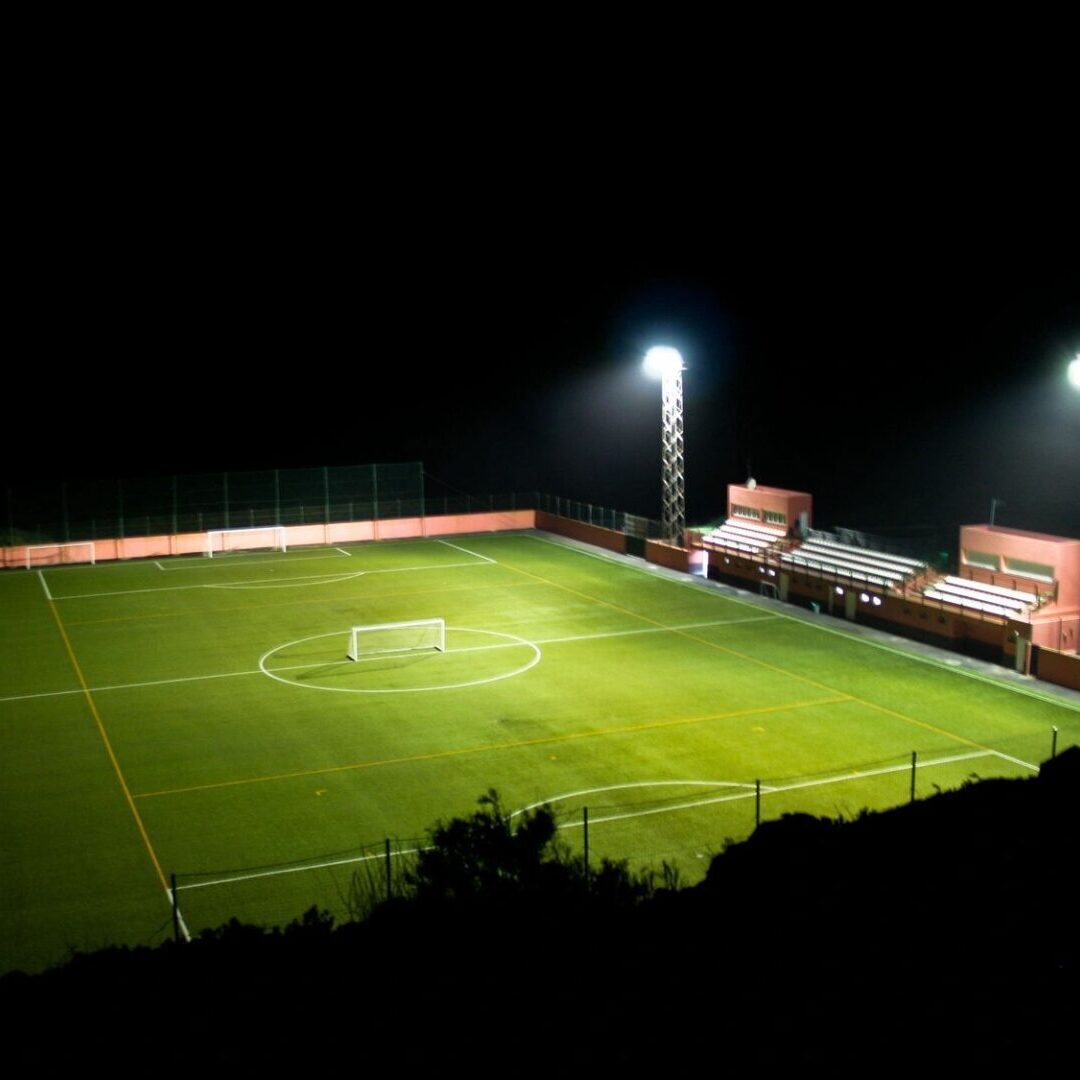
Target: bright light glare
pixel 1074 373
pixel 663 360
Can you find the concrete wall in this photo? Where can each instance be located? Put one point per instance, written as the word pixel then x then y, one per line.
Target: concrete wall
pixel 674 558
pixel 1057 632
pixel 579 530
pixel 341 532
pixel 1057 667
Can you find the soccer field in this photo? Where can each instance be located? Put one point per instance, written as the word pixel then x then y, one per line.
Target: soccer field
pixel 201 717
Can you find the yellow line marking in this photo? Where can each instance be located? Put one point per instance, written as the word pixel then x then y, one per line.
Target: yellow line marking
pixel 650 725
pixel 753 660
pixel 108 748
pixel 924 724
pixel 321 601
pixel 683 633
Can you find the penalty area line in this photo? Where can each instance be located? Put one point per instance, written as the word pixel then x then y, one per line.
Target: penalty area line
pixel 475 554
pixel 279 870
pixel 694 804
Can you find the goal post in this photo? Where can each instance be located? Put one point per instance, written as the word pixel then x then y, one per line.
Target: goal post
pixel 222 541
pixel 60 554
pixel 418 635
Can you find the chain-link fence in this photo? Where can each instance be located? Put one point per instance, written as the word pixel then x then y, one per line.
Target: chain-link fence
pixel 164 505
pixel 153 506
pixel 670 827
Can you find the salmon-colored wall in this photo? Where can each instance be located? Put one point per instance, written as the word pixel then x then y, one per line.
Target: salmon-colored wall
pixel 1061 633
pixel 345 532
pixel 1062 553
pixel 578 530
pixel 789 503
pixel 674 558
pixel 503 521
pixel 1058 667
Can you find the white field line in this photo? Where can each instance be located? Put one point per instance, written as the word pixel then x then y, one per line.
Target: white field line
pixel 298 869
pixel 747 792
pixel 158 565
pixel 344 633
pixel 639 784
pixel 458 547
pixel 427 566
pixel 203 563
pixel 270 582
pixel 179 914
pixel 41 578
pixel 347 554
pixel 1017 761
pixel 809 622
pixel 821 782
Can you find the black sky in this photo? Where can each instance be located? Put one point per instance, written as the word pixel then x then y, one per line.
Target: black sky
pixel 878 314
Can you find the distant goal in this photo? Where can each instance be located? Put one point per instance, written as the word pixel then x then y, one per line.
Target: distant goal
pixel 59 554
pixel 419 635
pixel 223 541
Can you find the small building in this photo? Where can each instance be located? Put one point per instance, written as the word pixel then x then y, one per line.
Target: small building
pixel 773 508
pixel 1046 566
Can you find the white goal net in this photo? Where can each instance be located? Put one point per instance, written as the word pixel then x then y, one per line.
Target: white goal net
pixel 222 541
pixel 59 554
pixel 420 635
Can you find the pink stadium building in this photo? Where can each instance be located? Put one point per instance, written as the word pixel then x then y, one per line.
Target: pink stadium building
pixel 1015 597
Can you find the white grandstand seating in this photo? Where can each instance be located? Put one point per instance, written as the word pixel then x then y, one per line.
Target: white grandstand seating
pixel 757 530
pixel 965 602
pixel 812 550
pixel 1008 602
pixel 736 544
pixel 993 590
pixel 750 539
pixel 831 559
pixel 855 573
pixel 902 561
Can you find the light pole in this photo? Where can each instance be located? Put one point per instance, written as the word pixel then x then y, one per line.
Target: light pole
pixel 666 363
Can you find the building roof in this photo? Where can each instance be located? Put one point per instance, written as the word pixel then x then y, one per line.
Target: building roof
pixel 1024 534
pixel 770 490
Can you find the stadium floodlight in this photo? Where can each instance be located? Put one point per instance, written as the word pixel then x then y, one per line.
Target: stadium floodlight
pixel 666 363
pixel 1074 373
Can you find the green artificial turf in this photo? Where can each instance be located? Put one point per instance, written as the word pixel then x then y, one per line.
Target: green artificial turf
pixel 199 717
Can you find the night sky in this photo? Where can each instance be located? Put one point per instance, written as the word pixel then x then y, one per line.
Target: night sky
pixel 883 323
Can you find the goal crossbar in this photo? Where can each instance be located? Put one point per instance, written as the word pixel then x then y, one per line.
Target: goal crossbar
pixel 226 540
pixel 416 635
pixel 62 554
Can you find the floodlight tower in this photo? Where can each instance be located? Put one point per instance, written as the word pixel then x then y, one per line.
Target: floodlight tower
pixel 1074 372
pixel 666 364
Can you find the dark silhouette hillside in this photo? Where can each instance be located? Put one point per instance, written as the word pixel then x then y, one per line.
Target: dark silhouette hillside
pixel 942 933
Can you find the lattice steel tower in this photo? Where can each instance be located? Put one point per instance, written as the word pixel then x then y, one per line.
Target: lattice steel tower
pixel 668 364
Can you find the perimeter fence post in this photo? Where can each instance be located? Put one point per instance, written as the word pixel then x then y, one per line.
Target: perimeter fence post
pixel 913 759
pixel 389 874
pixel 585 835
pixel 175 909
pixel 757 803
pixel 1053 743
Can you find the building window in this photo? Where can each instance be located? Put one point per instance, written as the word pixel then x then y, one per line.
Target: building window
pixel 745 512
pixel 982 559
pixel 774 517
pixel 1024 568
